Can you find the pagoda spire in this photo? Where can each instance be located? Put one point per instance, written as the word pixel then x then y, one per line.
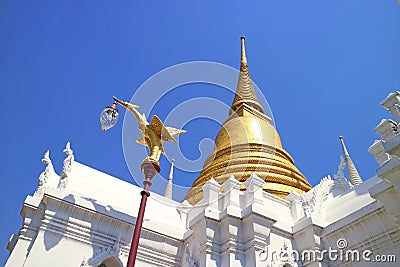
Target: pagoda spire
pixel 354 177
pixel 245 91
pixel 248 144
pixel 168 188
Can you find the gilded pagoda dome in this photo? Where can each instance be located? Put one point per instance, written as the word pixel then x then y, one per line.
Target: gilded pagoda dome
pixel 248 143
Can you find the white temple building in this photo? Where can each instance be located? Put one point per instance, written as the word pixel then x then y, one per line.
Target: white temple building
pixel 250 206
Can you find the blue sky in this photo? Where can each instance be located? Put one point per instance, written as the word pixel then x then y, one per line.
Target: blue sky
pixel 323 66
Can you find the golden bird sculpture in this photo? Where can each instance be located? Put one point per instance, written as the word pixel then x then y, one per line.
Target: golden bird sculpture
pixel 154 133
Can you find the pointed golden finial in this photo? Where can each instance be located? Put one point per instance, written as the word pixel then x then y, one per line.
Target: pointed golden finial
pixel 245 91
pixel 243 58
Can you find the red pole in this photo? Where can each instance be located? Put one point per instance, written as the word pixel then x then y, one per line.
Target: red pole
pixel 138 228
pixel 150 168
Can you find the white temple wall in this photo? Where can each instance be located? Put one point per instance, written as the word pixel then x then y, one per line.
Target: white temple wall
pixel 83 223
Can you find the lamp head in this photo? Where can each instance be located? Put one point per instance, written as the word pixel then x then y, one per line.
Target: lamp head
pixel 109 117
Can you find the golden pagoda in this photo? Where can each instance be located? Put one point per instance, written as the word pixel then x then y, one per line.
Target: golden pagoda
pixel 248 143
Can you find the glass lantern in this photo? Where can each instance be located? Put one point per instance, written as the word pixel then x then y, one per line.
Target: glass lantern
pixel 109 117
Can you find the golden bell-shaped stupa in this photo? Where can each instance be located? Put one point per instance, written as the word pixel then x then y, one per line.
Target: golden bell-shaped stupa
pixel 248 143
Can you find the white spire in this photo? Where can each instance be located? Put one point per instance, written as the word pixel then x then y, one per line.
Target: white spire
pixel 354 177
pixel 168 188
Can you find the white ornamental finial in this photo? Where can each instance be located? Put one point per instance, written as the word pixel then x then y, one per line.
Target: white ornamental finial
pixel 341 167
pixel 68 161
pixel 168 188
pixel 44 176
pixel 68 149
pixel 354 177
pixel 339 179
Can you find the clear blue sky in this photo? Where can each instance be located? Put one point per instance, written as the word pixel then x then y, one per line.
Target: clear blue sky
pixel 324 67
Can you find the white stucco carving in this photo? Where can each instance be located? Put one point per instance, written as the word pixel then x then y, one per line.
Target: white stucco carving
pixel 102 254
pixel 68 161
pixel 45 175
pixel 313 201
pixel 285 257
pixel 305 203
pixel 339 180
pixel 341 167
